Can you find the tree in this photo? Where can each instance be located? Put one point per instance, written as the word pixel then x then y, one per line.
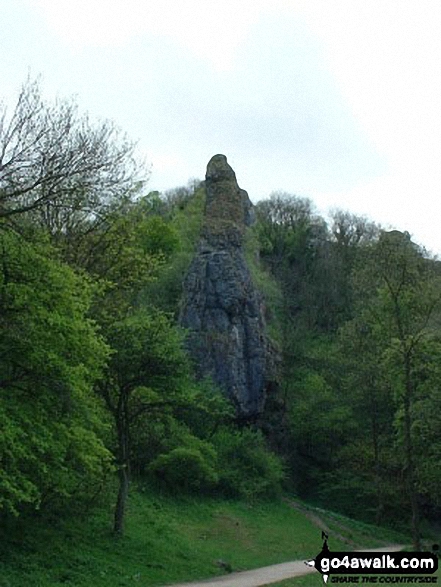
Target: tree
pixel 426 415
pixel 290 236
pixel 401 295
pixel 125 253
pixel 349 236
pixel 288 229
pixel 183 212
pixel 147 373
pixel 54 429
pixel 369 456
pixel 58 166
pixel 350 230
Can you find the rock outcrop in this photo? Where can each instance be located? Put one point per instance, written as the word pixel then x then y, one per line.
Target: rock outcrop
pixel 221 307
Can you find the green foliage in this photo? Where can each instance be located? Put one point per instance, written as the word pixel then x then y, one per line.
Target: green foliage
pixel 319 419
pixel 187 470
pixel 124 254
pixel 267 285
pixel 396 331
pixel 247 468
pixel 184 220
pixel 287 227
pixel 159 238
pixel 147 373
pixel 148 354
pixel 359 334
pixel 52 425
pixel 189 423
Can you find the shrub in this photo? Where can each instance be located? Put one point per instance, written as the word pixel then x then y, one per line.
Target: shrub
pixel 247 468
pixel 186 469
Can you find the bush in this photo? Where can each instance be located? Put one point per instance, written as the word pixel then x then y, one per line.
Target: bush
pixel 186 469
pixel 247 468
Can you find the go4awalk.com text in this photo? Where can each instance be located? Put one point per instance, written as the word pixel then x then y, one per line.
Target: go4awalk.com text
pixel 375 567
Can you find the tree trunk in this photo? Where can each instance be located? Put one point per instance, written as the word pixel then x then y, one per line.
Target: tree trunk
pixel 123 493
pixel 122 425
pixel 410 468
pixel 379 510
pixel 373 412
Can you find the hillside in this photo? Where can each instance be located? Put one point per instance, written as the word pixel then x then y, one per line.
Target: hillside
pixel 170 540
pixel 211 349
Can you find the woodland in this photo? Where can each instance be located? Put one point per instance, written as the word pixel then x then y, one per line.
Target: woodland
pixel 98 396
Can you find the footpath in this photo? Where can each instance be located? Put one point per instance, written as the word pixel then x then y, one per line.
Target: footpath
pixel 271 574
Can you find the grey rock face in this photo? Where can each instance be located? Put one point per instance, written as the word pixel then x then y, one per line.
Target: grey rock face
pixel 221 308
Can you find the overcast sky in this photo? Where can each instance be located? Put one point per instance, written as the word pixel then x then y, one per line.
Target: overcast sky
pixel 337 100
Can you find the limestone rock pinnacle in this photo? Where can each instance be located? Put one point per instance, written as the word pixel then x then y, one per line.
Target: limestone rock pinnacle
pixel 228 208
pixel 221 307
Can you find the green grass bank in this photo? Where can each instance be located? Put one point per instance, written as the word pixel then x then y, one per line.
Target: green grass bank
pixel 168 540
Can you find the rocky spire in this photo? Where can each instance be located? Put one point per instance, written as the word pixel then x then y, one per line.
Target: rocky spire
pixel 228 209
pixel 221 307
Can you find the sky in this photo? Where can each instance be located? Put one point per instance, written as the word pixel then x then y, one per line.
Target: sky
pixel 335 100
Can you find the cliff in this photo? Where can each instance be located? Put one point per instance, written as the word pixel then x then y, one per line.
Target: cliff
pixel 221 307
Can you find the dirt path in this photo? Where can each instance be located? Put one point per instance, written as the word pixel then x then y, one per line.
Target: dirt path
pixel 271 574
pixel 317 521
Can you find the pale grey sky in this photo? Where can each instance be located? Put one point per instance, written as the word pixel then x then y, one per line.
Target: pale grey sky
pixel 337 100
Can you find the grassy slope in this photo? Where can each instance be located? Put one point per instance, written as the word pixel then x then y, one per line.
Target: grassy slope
pixel 167 540
pixel 365 535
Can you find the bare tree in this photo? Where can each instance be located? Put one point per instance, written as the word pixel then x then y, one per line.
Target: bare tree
pixel 348 229
pixel 58 167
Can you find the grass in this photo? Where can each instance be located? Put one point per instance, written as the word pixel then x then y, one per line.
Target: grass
pixel 167 540
pixel 361 533
pixel 367 535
